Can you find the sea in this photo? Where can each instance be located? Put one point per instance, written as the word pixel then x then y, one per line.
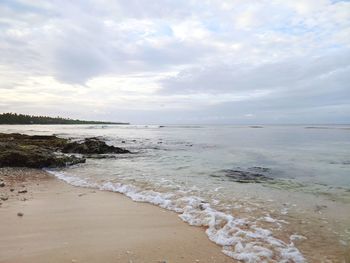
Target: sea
pixel 271 193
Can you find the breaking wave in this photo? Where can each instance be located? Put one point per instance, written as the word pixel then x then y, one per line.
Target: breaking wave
pixel 239 238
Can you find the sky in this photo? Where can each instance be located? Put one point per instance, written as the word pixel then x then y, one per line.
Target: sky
pixel 177 61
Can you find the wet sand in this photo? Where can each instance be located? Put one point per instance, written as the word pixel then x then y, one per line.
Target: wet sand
pixel 62 223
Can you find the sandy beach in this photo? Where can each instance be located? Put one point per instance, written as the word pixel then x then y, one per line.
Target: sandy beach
pixel 47 220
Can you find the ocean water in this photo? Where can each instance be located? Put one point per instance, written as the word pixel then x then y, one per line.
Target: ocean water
pixel 300 213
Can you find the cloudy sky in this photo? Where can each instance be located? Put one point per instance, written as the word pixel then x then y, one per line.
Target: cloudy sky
pixel 177 61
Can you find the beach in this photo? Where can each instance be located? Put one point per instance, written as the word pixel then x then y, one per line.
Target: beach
pixel 146 194
pixel 47 220
pixel 175 131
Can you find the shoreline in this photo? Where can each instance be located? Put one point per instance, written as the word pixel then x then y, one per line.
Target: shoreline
pixel 63 223
pixel 308 232
pixel 320 243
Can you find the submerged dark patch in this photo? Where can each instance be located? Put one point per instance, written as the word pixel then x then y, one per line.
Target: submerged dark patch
pixel 250 175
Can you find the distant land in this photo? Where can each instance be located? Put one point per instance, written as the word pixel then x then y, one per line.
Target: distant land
pixel 14 118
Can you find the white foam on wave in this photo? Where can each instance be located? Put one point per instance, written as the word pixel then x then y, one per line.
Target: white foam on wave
pixel 240 238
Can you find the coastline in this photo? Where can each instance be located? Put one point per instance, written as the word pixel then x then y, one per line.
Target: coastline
pixel 307 233
pixel 63 223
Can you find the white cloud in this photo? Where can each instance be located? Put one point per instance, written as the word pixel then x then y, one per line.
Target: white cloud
pixel 171 55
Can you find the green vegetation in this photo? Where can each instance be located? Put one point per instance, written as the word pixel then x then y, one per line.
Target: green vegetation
pixel 14 118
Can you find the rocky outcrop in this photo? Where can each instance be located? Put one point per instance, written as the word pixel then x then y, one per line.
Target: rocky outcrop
pixel 92 146
pixel 19 150
pixel 46 141
pixel 19 155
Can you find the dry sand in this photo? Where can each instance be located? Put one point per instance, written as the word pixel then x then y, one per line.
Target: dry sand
pixel 62 223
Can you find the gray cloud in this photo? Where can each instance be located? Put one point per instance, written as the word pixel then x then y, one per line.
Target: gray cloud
pixel 211 61
pixel 288 74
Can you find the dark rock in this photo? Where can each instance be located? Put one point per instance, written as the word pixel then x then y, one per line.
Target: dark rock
pixel 201 207
pixel 92 146
pixel 71 160
pixel 4 198
pixel 46 141
pixel 2 184
pixel 38 151
pixel 258 169
pixel 12 189
pixel 20 214
pixel 241 176
pixel 33 156
pixel 100 156
pixel 22 191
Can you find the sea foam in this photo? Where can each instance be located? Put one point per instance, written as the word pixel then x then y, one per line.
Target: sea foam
pixel 240 238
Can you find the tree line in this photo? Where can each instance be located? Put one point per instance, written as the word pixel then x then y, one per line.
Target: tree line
pixel 14 118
